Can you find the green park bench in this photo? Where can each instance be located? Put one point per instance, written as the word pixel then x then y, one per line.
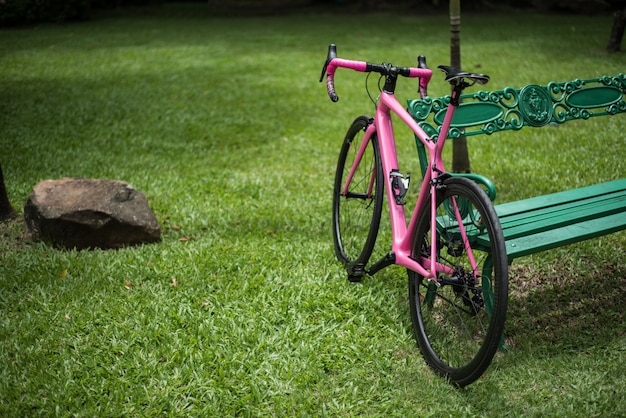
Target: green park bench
pixel 544 222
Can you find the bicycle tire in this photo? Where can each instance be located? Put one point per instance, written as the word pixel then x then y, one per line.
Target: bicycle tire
pixel 356 216
pixel 459 324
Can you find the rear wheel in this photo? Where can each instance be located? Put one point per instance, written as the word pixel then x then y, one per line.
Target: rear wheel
pixel 357 210
pixel 458 322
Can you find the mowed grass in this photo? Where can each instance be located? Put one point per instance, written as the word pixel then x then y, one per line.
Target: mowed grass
pixel 242 308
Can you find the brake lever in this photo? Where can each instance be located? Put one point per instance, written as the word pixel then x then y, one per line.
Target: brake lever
pixel 332 53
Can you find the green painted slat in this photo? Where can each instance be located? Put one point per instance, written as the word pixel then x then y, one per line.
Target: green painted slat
pixel 544 222
pixel 569 234
pixel 539 214
pixel 563 218
pixel 565 235
pixel 572 212
pixel 588 192
pixel 533 225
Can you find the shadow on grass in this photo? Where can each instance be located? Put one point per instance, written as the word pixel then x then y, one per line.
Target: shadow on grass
pixel 575 305
pixel 572 306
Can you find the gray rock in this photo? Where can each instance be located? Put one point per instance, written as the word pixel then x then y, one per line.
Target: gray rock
pixel 86 213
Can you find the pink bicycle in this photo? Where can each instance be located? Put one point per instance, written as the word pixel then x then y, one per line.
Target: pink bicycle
pixel 452 247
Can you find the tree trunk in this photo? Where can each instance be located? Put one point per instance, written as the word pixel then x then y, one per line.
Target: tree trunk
pixel 617 32
pixel 6 210
pixel 460 155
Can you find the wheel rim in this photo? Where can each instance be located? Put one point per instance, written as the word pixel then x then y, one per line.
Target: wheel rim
pixel 458 323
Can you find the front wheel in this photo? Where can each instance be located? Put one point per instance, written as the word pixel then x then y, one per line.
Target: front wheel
pixel 458 321
pixel 357 205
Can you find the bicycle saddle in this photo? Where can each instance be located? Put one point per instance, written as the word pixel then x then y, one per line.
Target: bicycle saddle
pixel 454 75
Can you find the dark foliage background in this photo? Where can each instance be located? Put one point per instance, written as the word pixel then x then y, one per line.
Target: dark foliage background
pixel 15 12
pixel 18 12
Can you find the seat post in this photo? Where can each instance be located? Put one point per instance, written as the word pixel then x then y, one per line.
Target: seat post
pixel 457 90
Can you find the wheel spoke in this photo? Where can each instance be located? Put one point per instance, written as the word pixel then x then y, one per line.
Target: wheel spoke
pixel 357 208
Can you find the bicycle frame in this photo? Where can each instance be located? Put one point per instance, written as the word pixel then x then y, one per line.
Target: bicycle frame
pixel 402 234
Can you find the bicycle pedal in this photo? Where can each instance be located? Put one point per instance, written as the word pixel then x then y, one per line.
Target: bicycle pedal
pixel 355 271
pixel 355 278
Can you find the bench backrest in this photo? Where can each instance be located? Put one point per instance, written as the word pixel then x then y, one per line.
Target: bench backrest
pixel 486 112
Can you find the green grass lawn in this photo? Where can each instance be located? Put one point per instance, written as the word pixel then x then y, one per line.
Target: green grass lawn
pixel 242 308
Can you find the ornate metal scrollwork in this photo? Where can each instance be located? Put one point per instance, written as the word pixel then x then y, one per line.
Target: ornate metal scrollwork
pixel 531 105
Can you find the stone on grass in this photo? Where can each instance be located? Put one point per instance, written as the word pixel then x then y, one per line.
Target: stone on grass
pixel 87 213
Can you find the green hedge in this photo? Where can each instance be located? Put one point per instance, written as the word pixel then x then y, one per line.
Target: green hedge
pixel 14 12
pixel 17 12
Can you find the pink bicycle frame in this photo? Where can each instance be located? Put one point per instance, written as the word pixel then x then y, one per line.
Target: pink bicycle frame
pixel 402 234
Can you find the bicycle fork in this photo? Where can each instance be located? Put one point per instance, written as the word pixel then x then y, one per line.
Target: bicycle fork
pixel 437 184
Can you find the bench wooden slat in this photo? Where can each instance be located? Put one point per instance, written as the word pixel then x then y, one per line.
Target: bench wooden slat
pixel 569 234
pixel 587 192
pixel 576 210
pixel 541 223
pixel 553 217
